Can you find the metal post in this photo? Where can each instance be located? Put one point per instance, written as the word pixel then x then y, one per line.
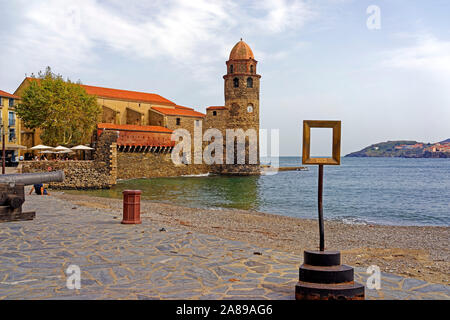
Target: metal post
pixel 3 150
pixel 322 237
pixel 131 207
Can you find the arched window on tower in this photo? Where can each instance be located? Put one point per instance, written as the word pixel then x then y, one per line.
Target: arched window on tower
pixel 231 69
pixel 249 82
pixel 236 82
pixel 251 68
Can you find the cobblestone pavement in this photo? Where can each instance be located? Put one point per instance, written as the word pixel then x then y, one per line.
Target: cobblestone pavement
pixel 142 262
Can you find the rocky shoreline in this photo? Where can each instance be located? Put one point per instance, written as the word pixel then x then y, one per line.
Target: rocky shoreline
pixel 409 251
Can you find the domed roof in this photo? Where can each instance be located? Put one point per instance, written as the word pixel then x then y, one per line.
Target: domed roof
pixel 241 51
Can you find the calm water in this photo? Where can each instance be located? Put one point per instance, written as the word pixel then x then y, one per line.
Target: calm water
pixel 362 190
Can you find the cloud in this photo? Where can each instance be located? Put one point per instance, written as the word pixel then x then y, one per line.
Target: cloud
pixel 68 35
pixel 428 54
pixel 282 15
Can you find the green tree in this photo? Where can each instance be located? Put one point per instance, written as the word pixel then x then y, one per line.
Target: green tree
pixel 63 110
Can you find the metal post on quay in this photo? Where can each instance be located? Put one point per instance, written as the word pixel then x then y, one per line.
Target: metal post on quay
pixel 3 148
pixel 131 207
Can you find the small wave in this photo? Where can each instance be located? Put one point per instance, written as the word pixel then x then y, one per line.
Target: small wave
pixel 196 175
pixel 352 221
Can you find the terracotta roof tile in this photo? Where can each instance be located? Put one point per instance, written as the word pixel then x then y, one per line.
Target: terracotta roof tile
pixel 133 127
pixel 181 107
pixel 8 95
pixel 241 51
pixel 124 94
pixel 216 108
pixel 178 112
pixel 143 97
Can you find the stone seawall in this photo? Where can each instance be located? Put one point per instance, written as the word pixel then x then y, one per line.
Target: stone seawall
pixel 109 164
pixel 131 165
pixel 100 173
pixel 78 174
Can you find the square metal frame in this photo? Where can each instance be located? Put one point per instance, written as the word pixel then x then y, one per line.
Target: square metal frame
pixel 336 153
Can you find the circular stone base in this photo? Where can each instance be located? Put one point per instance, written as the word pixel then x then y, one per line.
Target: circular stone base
pixel 322 277
pixel 317 291
pixel 322 258
pixel 333 274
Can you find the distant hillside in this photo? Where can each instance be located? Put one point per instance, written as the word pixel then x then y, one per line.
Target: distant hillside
pixel 405 149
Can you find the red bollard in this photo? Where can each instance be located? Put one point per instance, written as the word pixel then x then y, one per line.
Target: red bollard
pixel 131 207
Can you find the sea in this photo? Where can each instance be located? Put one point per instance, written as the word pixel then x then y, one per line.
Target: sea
pixel 387 191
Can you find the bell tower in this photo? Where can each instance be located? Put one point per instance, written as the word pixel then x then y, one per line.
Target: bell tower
pixel 241 90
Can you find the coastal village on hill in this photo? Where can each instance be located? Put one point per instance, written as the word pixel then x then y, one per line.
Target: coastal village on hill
pixel 406 149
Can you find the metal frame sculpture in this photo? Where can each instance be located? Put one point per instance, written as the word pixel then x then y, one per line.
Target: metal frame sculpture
pixel 321 276
pixel 334 160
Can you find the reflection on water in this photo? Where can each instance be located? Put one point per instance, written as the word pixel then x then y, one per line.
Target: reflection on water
pixel 211 191
pixel 375 190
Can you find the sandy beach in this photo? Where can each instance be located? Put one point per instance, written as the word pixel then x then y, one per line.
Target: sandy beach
pixel 409 251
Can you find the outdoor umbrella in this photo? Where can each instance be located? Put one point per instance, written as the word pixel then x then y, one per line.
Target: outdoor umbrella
pixel 64 151
pixel 60 148
pixel 83 148
pixel 41 147
pixel 15 147
pixel 43 152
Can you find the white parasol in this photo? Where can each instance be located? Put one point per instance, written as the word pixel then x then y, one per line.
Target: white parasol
pixel 65 151
pixel 60 148
pixel 41 147
pixel 81 147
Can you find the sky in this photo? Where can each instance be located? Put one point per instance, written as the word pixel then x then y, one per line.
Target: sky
pixel 381 67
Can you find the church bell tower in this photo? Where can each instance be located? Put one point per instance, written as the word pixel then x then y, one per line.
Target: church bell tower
pixel 242 101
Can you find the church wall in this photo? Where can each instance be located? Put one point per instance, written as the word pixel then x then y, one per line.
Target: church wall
pixel 187 123
pixel 218 121
pixel 156 119
pixel 121 107
pixel 132 165
pixel 134 117
pixel 108 115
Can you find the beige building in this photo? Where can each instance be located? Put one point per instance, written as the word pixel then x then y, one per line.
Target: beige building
pixel 130 107
pixel 10 126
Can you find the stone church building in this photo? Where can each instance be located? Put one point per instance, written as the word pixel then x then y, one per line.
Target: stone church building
pixel 145 122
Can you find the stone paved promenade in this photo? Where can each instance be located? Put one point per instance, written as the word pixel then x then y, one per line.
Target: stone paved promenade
pixel 141 262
